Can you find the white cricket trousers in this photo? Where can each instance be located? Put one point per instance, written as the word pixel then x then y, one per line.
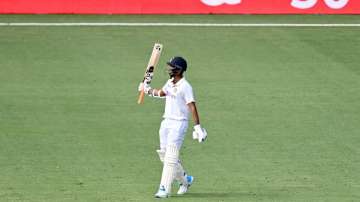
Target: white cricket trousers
pixel 172 132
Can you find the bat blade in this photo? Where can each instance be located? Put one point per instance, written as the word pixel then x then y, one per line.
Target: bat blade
pixel 149 72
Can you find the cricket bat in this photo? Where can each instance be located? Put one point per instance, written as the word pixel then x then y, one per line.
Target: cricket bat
pixel 149 72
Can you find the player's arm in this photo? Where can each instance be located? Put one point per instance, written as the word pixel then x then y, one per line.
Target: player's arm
pixel 152 92
pixel 194 113
pixel 199 132
pixel 155 92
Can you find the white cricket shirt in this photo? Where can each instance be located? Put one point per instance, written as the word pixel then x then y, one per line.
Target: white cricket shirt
pixel 177 97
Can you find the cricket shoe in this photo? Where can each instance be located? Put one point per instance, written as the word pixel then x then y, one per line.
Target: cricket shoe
pixel 161 193
pixel 184 187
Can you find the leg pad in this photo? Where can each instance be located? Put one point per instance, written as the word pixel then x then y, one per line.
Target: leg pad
pixel 170 166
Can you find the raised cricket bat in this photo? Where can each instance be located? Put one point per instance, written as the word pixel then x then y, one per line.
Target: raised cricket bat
pixel 149 72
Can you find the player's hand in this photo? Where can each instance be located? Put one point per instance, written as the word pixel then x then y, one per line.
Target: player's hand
pixel 147 88
pixel 199 133
pixel 141 86
pixel 148 78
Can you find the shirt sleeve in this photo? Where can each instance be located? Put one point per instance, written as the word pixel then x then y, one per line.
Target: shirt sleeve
pixel 165 88
pixel 188 94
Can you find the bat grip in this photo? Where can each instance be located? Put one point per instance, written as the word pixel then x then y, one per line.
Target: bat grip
pixel 141 97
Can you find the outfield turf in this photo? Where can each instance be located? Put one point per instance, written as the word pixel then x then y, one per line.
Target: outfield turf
pixel 281 106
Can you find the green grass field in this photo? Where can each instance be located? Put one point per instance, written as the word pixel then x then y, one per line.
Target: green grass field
pixel 281 105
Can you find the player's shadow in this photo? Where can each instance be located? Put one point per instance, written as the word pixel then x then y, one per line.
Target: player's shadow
pixel 218 195
pixel 215 195
pixel 228 195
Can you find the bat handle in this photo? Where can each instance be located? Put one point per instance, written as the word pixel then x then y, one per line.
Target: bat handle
pixel 141 97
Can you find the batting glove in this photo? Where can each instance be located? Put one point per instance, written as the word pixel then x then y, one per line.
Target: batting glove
pixel 199 133
pixel 141 86
pixel 144 87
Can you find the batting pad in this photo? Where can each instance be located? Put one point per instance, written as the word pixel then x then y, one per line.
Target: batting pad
pixel 170 165
pixel 180 174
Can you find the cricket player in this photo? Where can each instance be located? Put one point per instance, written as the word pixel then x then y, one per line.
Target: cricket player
pixel 180 102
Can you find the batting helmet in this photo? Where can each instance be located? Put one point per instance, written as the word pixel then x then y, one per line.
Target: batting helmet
pixel 178 63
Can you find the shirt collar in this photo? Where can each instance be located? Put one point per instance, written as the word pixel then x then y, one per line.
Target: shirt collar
pixel 179 82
